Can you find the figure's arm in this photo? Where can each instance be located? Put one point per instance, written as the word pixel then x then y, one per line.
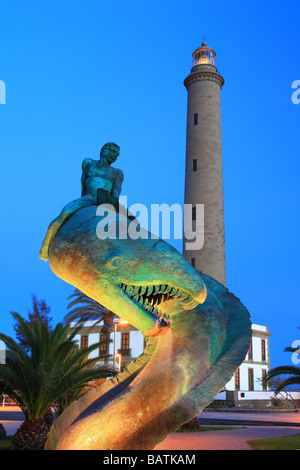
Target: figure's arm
pixel 117 186
pixel 85 164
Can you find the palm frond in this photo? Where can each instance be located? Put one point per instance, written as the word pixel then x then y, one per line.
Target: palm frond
pixel 286 383
pixel 282 370
pixel 86 309
pixel 52 367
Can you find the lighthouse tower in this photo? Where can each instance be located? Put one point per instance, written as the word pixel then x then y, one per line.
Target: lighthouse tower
pixel 203 173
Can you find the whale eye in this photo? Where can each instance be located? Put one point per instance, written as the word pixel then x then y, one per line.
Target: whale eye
pixel 114 261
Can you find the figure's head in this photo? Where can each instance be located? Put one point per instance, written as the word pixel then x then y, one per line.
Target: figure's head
pixel 109 152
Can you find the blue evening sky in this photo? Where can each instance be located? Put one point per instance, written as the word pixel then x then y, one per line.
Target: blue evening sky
pixel 79 73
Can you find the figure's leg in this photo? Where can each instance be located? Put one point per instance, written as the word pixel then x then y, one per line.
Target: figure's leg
pixel 55 225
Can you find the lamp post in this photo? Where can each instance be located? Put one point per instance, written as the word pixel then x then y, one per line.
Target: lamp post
pixel 120 322
pixel 120 361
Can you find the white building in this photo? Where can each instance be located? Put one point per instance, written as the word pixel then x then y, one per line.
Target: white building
pixel 127 343
pixel 246 388
pixel 247 384
pixel 2 352
pixel 249 376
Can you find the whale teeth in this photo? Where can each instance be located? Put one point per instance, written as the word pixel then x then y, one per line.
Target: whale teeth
pixel 149 291
pixel 167 289
pixel 143 290
pixel 156 289
pixel 136 289
pixel 188 306
pixel 178 294
pixel 184 296
pixel 152 297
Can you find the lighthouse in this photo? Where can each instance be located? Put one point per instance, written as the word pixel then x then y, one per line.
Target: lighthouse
pixel 203 172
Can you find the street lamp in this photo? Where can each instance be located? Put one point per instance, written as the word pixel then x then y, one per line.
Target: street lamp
pixel 119 356
pixel 120 322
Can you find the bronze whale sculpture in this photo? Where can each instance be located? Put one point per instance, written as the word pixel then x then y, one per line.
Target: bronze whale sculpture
pixel 197 334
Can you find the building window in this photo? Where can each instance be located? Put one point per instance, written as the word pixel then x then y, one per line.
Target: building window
pixel 84 341
pixel 103 346
pixel 195 164
pixel 193 213
pixel 250 380
pixel 125 351
pixel 237 380
pixel 195 119
pixel 263 378
pixel 193 262
pixel 250 356
pixel 125 341
pixel 263 350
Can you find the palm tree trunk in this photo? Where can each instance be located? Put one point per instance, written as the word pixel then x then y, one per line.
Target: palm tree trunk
pixel 31 435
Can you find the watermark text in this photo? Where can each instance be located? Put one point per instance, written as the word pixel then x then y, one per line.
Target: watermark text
pixel 2 92
pixel 161 221
pixel 296 354
pixel 296 94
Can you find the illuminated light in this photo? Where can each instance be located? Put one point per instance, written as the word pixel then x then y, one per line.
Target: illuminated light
pixel 119 361
pixel 118 357
pixel 121 322
pixel 204 55
pixel 204 60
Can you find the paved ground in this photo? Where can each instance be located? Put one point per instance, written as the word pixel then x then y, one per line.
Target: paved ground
pixel 267 418
pixel 270 425
pixel 222 440
pixel 11 426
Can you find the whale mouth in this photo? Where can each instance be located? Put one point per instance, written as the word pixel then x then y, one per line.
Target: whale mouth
pixel 151 298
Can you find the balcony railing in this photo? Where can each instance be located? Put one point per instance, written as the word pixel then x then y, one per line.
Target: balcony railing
pixel 124 352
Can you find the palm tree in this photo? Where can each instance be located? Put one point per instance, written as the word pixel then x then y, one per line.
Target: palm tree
pixel 54 372
pixel 88 309
pixel 293 373
pixel 40 311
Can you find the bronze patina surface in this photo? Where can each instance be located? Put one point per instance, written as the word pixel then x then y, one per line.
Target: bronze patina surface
pixel 197 334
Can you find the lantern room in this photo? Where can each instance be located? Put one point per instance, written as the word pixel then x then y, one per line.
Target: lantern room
pixel 204 55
